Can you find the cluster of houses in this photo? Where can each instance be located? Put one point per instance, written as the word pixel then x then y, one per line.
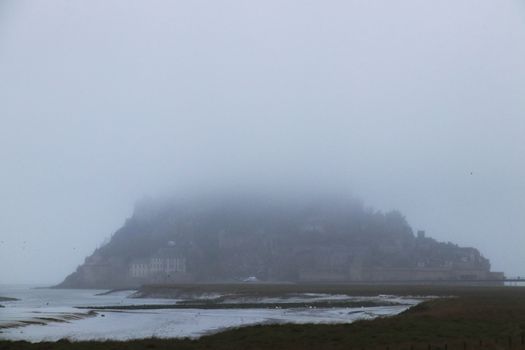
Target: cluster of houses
pixel 325 263
pixel 428 261
pixel 166 265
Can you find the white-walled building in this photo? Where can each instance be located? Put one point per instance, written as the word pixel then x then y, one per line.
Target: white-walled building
pixel 139 268
pixel 167 264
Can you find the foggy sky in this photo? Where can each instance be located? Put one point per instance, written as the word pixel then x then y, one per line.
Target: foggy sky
pixel 410 105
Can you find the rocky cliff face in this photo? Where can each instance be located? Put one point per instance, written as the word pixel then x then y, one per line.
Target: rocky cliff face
pixel 299 239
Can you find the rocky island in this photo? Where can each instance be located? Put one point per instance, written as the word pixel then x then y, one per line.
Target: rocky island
pixel 247 238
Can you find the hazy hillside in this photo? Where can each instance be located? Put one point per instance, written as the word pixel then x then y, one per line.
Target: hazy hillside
pixel 287 239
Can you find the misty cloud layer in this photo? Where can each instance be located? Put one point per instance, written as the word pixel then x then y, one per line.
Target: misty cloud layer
pixel 412 105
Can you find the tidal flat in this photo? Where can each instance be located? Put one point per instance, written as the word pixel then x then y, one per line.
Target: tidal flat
pixel 458 317
pixel 86 315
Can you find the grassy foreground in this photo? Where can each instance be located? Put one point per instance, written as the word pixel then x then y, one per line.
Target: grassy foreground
pixel 478 318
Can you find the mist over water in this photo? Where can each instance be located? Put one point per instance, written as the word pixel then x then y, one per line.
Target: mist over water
pixel 408 105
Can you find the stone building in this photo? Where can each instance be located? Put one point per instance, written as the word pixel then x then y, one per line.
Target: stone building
pixel 168 264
